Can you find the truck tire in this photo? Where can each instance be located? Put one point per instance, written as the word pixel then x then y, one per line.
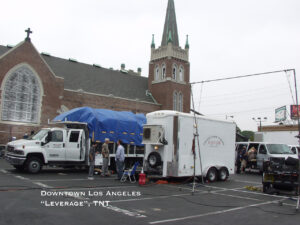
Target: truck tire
pixel 212 175
pixel 33 165
pixel 223 174
pixel 154 159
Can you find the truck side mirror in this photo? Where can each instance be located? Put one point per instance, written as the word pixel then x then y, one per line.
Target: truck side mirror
pixel 49 137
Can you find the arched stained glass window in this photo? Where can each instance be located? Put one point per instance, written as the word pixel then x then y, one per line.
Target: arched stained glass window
pixel 174 72
pixel 21 96
pixel 180 102
pixel 181 74
pixel 157 72
pixel 163 75
pixel 175 101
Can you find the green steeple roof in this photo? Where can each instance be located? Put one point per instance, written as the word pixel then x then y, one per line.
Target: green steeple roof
pixel 152 44
pixel 187 45
pixel 170 28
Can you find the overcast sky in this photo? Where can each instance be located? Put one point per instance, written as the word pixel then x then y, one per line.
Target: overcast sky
pixel 227 38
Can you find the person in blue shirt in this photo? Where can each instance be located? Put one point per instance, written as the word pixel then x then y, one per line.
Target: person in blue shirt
pixel 120 157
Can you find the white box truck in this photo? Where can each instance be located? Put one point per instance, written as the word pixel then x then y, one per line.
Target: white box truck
pixel 69 146
pixel 168 138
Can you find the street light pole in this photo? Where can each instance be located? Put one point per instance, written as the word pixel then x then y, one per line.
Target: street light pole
pixel 259 119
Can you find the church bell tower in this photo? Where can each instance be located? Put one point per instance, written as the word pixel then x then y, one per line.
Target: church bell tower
pixel 169 68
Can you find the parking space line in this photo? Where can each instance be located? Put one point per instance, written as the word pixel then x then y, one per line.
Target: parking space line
pixel 211 213
pixel 21 178
pixel 236 196
pixel 251 192
pixel 245 181
pixel 125 211
pixel 150 198
pixel 4 171
pixel 42 185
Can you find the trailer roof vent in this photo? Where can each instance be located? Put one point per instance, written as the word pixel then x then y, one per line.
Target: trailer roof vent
pixel 73 60
pixel 46 54
pixel 97 65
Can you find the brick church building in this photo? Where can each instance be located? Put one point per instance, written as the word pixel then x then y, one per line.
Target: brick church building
pixel 36 87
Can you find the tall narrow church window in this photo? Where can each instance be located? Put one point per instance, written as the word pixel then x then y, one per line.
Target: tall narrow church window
pixel 21 96
pixel 174 72
pixel 175 101
pixel 180 102
pixel 181 74
pixel 163 75
pixel 157 72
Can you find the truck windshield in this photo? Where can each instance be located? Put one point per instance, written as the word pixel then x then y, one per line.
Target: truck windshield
pixel 40 135
pixel 279 149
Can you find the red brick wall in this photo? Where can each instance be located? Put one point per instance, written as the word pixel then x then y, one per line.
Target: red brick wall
pixel 163 91
pixel 55 95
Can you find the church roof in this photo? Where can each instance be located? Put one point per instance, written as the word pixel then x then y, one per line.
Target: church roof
pixel 170 28
pixel 97 80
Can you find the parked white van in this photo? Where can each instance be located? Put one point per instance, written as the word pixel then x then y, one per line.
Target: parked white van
pixel 295 149
pixel 264 151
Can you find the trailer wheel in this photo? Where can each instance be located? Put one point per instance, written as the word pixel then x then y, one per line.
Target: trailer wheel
pixel 154 159
pixel 223 174
pixel 212 175
pixel 33 165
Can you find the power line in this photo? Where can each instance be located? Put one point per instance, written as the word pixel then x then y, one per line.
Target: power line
pixel 237 77
pixel 267 109
pixel 265 89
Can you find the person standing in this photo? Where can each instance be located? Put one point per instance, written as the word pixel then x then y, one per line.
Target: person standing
pixel 120 157
pixel 244 157
pixel 92 160
pixel 105 157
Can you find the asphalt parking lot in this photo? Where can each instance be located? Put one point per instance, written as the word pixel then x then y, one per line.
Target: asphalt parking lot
pixel 57 196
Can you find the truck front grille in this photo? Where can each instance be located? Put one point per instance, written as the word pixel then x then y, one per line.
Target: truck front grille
pixel 10 148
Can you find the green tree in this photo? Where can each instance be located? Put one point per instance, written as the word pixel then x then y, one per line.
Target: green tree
pixel 249 134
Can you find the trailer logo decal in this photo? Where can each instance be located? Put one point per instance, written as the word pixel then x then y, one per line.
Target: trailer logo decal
pixel 213 141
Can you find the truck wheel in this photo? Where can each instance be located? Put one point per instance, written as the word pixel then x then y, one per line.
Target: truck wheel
pixel 33 165
pixel 223 174
pixel 154 159
pixel 212 175
pixel 19 168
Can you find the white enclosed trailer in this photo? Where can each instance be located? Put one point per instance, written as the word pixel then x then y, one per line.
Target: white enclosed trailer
pixel 168 138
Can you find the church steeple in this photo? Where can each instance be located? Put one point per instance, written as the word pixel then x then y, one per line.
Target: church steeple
pixel 169 68
pixel 170 28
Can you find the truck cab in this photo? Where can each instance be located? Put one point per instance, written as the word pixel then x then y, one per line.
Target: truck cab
pixel 50 146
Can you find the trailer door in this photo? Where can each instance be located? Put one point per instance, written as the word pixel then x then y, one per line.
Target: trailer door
pixel 74 145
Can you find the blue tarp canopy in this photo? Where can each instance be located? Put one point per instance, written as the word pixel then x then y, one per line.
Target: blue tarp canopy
pixel 104 123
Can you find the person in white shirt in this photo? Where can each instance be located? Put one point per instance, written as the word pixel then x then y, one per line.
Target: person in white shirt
pixel 120 157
